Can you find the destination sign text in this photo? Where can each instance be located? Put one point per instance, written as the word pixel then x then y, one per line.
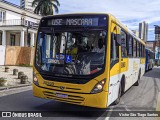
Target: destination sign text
pixel 74 22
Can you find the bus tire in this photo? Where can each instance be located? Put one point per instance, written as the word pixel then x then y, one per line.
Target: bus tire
pixel 119 95
pixel 139 76
pixel 123 85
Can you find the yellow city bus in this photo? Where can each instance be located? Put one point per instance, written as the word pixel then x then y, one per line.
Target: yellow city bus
pixel 86 59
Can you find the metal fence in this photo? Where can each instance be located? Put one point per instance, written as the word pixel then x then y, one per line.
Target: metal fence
pixel 19 22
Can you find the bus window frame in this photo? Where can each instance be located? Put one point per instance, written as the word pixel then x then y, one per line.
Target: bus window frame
pixel 126 54
pixel 135 47
pixel 114 37
pixel 138 52
pixel 130 38
pixel 87 77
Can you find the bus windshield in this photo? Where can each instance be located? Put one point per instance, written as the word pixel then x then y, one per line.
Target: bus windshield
pixel 71 52
pixel 71 45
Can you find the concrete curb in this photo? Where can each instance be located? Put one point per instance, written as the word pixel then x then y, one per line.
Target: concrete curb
pixel 11 87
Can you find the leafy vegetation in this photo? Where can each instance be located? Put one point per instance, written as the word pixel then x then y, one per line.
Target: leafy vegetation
pixel 45 7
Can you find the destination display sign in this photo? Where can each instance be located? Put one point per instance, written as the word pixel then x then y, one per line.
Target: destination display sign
pixel 74 22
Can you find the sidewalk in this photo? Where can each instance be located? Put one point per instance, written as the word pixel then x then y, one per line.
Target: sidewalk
pixel 14 90
pixel 12 80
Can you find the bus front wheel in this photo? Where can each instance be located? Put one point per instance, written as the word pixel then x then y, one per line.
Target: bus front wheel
pixel 119 95
pixel 139 76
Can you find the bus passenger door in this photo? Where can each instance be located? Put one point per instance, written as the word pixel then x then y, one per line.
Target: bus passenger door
pixel 114 65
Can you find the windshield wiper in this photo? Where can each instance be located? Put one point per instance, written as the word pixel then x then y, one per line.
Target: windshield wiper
pixel 53 35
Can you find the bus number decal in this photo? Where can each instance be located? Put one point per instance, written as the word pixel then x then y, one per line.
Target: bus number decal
pixel 123 64
pixel 48 83
pixel 135 66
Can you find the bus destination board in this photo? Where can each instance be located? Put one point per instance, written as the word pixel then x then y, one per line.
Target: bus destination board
pixel 74 22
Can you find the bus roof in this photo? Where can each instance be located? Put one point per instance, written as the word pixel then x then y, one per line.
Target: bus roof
pixel 127 29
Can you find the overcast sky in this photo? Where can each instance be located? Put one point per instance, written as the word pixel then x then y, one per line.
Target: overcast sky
pixel 129 12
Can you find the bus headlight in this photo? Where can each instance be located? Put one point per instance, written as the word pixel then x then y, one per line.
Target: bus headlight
pixel 98 87
pixel 35 80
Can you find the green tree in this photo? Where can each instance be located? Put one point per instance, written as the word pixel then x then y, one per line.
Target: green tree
pixel 45 7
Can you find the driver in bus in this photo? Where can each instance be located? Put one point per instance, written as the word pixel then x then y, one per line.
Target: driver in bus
pixel 82 44
pixel 101 46
pixel 74 50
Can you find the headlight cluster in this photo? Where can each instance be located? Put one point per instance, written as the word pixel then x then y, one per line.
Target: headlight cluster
pixel 35 80
pixel 99 86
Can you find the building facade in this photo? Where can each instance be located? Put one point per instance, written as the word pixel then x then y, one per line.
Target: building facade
pixel 26 4
pixel 143 31
pixel 17 28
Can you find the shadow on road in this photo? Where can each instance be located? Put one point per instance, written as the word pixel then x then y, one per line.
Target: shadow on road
pixel 68 110
pixel 154 73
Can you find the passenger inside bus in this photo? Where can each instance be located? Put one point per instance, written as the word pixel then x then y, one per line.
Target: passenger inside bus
pixel 101 47
pixel 73 50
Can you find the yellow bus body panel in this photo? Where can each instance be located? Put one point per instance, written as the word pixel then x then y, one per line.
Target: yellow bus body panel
pixel 92 100
pixel 82 91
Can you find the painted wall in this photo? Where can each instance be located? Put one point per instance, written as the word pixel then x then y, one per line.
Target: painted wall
pixel 19 11
pixel 11 15
pixel 17 40
pixel 7 38
pixel 2 54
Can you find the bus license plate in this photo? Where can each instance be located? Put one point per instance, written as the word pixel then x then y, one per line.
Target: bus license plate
pixel 61 95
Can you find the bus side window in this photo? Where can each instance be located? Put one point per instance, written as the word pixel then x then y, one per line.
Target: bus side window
pixel 123 38
pixel 134 48
pixel 130 46
pixel 138 49
pixel 114 48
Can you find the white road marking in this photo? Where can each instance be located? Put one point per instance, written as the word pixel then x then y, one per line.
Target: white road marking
pixel 104 116
pixel 108 115
pixel 158 103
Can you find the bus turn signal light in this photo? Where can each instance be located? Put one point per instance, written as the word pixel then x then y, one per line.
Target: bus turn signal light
pixel 35 80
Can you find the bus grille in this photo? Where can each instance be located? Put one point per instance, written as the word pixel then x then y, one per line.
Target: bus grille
pixel 66 79
pixel 71 98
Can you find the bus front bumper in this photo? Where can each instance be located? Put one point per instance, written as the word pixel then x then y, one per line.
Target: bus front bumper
pixel 98 100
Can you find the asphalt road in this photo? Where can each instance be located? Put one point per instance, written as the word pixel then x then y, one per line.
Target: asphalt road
pixel 142 97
